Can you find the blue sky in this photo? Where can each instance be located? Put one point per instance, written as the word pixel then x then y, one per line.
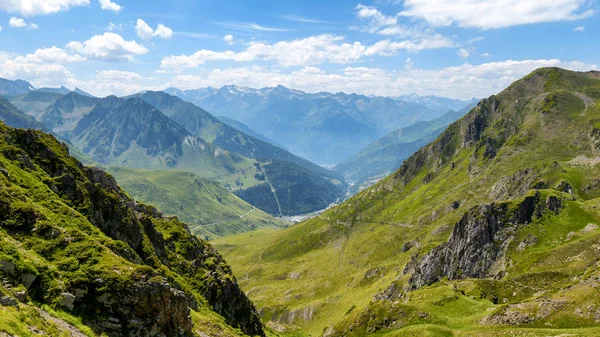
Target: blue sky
pixel 453 48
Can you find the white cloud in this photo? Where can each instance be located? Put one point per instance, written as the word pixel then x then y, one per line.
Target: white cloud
pixel 50 55
pixel 109 46
pixel 486 55
pixel 476 39
pixel 20 23
pixel 379 23
pixel 307 51
pixel 0 28
pixel 251 27
pixel 39 7
pixel 43 68
pixel 465 81
pixel 111 27
pixel 163 31
pixel 488 14
pixel 108 5
pixel 579 29
pixel 377 18
pixel 145 32
pixel 117 75
pixel 228 39
pixel 302 19
pixel 17 22
pixel 463 53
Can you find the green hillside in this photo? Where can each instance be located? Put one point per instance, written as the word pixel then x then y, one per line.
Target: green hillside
pixel 209 209
pixel 78 257
pixel 489 230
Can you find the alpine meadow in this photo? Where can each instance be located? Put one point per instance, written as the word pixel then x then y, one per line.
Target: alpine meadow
pixel 299 169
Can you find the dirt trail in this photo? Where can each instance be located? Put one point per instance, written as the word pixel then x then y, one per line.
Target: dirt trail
pixel 62 325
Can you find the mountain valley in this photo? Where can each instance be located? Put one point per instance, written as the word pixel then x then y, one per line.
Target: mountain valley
pixel 489 230
pixel 488 224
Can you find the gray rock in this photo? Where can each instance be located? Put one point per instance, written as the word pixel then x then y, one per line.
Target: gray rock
pixel 28 279
pixel 477 241
pixel 8 267
pixel 8 301
pixel 21 295
pixel 67 300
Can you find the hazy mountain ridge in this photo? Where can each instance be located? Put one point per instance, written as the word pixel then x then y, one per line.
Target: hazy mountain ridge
pixel 387 153
pixel 303 122
pixel 437 103
pixel 10 115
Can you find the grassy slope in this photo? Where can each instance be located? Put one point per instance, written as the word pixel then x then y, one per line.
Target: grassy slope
pixel 354 251
pixel 45 233
pixel 209 209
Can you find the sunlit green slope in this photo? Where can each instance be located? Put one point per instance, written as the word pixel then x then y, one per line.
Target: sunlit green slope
pixel 209 209
pixel 490 230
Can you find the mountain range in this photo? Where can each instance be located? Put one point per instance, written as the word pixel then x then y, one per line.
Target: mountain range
pixel 491 229
pixel 145 131
pixel 304 122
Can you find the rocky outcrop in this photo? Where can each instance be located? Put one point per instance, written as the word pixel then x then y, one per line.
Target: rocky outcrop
pixel 165 270
pixel 152 308
pixel 478 240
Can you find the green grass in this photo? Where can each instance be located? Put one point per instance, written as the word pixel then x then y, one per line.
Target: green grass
pixel 209 209
pixel 527 141
pixel 76 234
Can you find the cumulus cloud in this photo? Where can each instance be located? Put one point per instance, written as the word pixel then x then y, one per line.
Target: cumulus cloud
pixel 163 31
pixel 45 67
pixel 17 22
pixel 463 53
pixel 108 5
pixel 307 51
pixel 489 14
pixel 39 7
pixel 145 32
pixel 228 39
pixel 465 81
pixel 20 23
pixel 109 47
pixel 50 55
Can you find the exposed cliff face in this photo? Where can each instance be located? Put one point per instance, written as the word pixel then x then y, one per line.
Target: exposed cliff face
pixel 121 266
pixel 478 241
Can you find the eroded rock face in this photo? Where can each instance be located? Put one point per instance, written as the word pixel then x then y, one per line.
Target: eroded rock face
pixel 478 241
pixel 145 309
